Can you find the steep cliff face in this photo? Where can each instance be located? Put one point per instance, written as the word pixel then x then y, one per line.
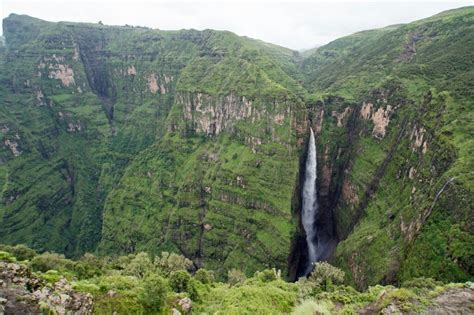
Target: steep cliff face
pixel 399 169
pixel 224 201
pixel 104 126
pixel 121 139
pixel 218 186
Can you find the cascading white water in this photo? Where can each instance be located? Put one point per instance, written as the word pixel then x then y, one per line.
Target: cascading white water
pixel 310 202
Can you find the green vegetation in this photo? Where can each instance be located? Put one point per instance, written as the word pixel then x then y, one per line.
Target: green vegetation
pixel 140 143
pixel 153 291
pixel 393 224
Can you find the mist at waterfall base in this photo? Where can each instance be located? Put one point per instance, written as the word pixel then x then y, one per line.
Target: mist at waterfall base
pixel 310 204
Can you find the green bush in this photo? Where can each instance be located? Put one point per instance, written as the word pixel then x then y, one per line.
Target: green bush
pixel 267 275
pixel 90 259
pixel 421 283
pixel 325 274
pixel 275 297
pixel 121 262
pixel 21 252
pixel 6 256
pixel 179 281
pixel 85 270
pixel 51 276
pixel 321 279
pixel 139 266
pixel 154 293
pixel 193 291
pixel 235 277
pixel 169 262
pixel 311 307
pixel 86 286
pixel 406 300
pixel 51 261
pixel 119 283
pixel 343 294
pixel 104 304
pixel 204 276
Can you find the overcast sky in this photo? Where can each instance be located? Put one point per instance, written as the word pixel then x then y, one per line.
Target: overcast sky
pixel 297 25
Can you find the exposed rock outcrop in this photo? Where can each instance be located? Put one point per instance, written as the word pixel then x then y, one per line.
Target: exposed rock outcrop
pixel 451 302
pixel 341 117
pixel 62 72
pixel 380 118
pixel 211 115
pixel 23 293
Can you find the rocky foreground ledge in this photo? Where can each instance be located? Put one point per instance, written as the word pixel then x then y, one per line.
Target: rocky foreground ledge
pixel 24 292
pixel 21 292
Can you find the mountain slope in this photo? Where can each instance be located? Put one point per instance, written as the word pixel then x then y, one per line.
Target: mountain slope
pixel 123 139
pixel 406 189
pixel 109 94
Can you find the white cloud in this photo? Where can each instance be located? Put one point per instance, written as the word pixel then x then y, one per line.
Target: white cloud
pixel 296 25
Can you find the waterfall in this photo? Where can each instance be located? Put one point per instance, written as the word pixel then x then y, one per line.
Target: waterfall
pixel 310 203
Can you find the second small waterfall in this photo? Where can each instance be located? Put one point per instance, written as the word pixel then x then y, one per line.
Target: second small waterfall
pixel 310 203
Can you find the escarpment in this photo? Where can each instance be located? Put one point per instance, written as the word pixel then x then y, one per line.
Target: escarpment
pixel 127 139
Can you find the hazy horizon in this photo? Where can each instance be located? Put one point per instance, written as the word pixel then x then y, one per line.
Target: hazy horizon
pixel 298 26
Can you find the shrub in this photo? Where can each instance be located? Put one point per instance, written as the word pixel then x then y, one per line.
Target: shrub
pixel 139 266
pixel 89 266
pixel 167 263
pixel 85 270
pixel 325 275
pixel 421 283
pixel 5 256
pixel 321 279
pixel 154 294
pixel 119 283
pixel 51 276
pixel 93 260
pixel 204 276
pixel 192 290
pixel 235 277
pixel 259 298
pixel 104 304
pixel 51 261
pixel 121 262
pixel 22 252
pixel 344 294
pixel 86 286
pixel 405 299
pixel 310 307
pixel 268 275
pixel 179 281
pixel 306 288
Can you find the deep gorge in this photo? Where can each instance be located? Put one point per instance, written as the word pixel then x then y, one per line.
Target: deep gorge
pixel 111 132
